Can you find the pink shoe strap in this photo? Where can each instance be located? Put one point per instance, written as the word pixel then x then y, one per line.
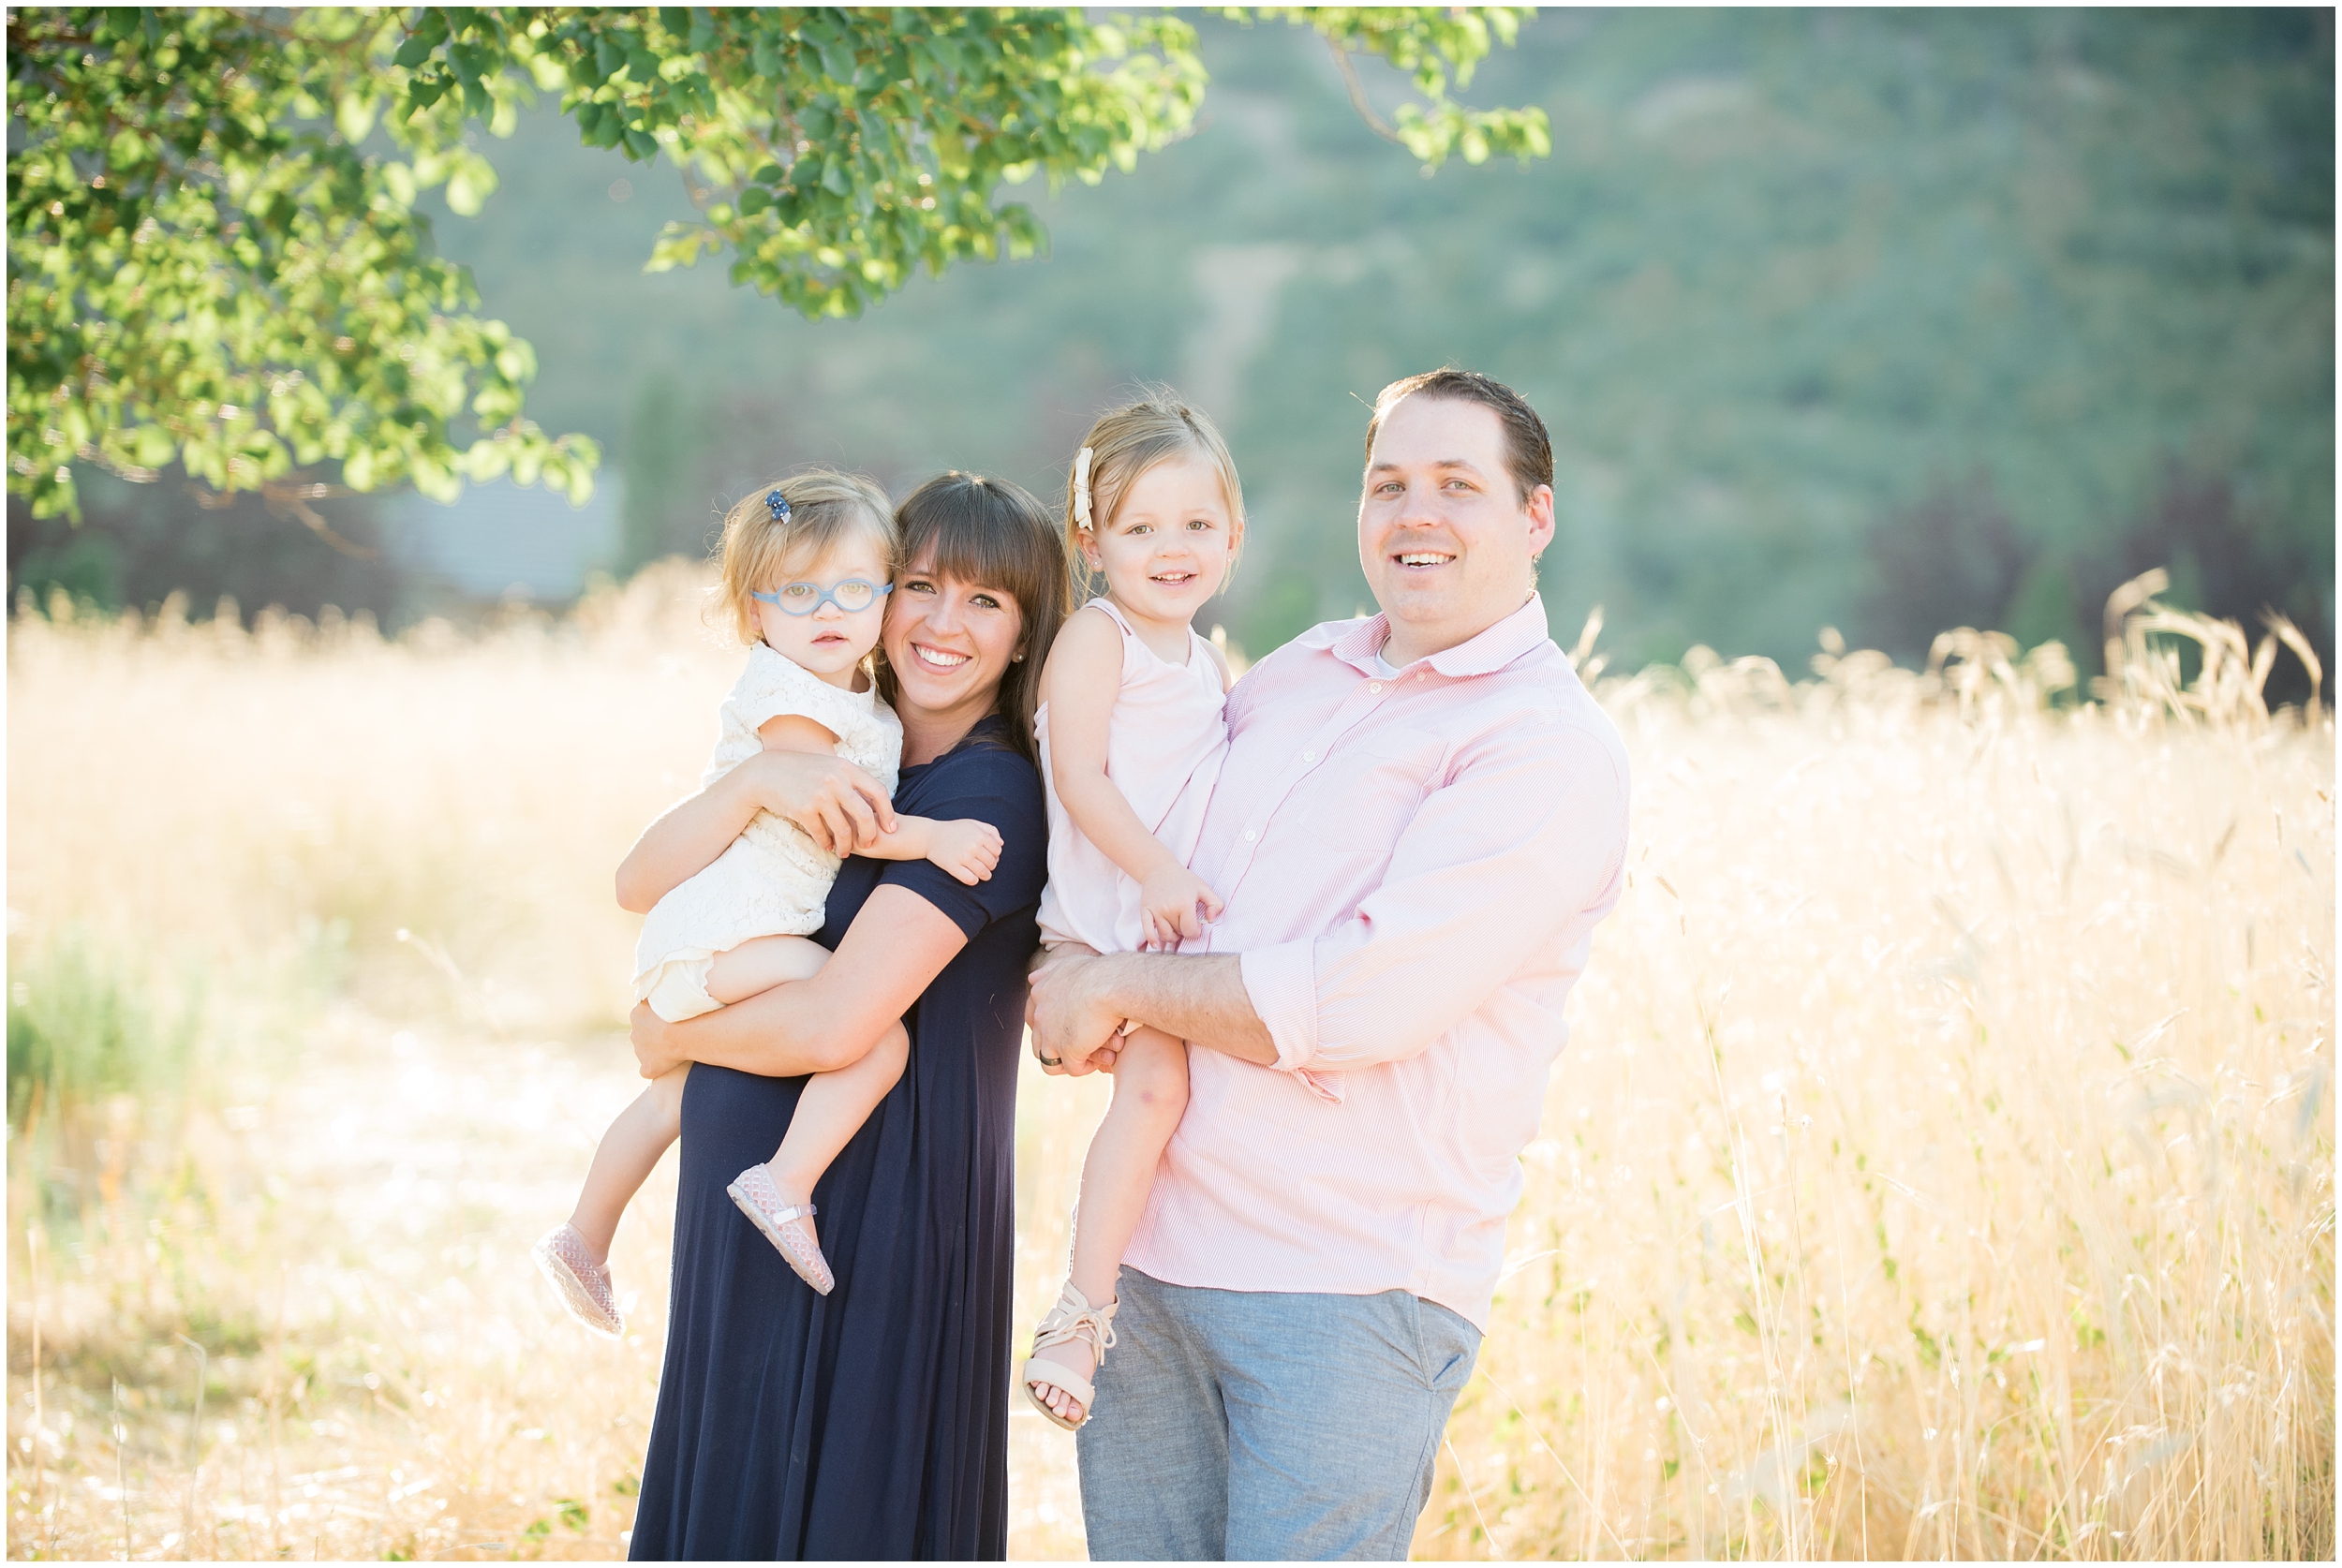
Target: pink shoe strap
pixel 757 1182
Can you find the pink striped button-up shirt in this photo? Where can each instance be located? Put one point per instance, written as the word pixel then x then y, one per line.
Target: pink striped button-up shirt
pixel 1413 865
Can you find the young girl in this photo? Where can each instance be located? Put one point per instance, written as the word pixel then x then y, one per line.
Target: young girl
pixel 1132 735
pixel 807 568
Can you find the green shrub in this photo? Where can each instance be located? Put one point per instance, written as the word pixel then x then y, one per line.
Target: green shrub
pixel 84 1025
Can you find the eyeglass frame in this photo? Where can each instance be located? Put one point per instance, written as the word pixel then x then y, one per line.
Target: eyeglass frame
pixel 828 596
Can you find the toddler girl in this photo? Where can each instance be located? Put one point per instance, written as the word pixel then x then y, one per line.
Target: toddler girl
pixel 807 568
pixel 1132 735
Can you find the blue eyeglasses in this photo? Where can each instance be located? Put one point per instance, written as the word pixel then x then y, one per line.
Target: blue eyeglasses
pixel 852 596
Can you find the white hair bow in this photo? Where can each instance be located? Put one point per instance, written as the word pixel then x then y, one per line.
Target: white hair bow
pixel 1081 488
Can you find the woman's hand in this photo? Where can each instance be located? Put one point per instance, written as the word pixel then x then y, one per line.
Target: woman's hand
pixel 840 808
pixel 893 950
pixel 654 1052
pixel 1167 900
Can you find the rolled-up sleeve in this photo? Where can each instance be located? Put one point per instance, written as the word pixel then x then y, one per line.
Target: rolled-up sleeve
pixel 1525 838
pixel 1281 981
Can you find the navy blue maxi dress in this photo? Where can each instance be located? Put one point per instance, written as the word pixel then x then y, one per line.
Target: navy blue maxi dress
pixel 871 1423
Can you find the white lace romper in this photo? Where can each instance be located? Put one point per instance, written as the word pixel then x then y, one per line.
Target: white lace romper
pixel 771 882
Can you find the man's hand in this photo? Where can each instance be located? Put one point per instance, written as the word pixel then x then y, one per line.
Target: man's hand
pixel 654 1049
pixel 1072 1026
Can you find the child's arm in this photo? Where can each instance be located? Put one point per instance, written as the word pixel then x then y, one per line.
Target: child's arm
pixel 969 849
pixel 1081 683
pixel 794 731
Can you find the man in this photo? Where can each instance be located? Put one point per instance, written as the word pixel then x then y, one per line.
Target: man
pixel 1421 818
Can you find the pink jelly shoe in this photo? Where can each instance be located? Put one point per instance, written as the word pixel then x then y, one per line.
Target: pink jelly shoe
pixel 782 1223
pixel 583 1284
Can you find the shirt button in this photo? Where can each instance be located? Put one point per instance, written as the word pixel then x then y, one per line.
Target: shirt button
pixel 1308 756
pixel 1376 687
pixel 1250 835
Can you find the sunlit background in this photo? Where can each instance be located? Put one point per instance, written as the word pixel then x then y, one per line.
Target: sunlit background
pixel 1942 1162
pixel 1888 321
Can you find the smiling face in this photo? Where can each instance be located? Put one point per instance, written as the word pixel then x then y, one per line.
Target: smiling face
pixel 830 642
pixel 949 643
pixel 1166 548
pixel 1448 546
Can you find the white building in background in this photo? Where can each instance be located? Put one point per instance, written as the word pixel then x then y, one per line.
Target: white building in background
pixel 504 541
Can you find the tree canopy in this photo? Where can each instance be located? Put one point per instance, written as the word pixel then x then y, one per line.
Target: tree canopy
pixel 216 259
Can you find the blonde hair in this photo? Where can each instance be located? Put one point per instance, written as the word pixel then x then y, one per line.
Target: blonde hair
pixel 760 549
pixel 1124 444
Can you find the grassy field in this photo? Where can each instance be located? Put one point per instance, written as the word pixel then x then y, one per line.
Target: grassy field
pixel 1941 1164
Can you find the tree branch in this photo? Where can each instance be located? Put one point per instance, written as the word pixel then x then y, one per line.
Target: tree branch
pixel 293 500
pixel 1357 95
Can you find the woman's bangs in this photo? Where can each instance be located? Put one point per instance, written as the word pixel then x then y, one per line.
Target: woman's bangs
pixel 989 555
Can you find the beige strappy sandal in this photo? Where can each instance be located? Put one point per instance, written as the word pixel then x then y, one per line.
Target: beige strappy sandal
pixel 1073 1318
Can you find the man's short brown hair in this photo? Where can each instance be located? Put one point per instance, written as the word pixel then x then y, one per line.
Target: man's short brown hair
pixel 1528 450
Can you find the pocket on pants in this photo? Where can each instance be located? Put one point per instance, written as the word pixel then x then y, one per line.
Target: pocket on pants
pixel 1446 1347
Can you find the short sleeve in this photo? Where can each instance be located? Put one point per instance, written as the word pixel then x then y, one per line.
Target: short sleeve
pixel 991 784
pixel 772 685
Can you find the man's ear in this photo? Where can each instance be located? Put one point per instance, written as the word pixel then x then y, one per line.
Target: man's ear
pixel 1540 510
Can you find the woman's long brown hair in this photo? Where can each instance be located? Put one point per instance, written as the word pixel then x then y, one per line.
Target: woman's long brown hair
pixel 996 535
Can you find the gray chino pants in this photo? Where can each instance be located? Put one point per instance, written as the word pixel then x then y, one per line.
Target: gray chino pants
pixel 1262 1425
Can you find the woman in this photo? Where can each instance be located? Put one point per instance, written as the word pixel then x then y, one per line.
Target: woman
pixel 872 1422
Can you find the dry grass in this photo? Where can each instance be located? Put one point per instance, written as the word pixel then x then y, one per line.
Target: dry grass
pixel 1941 1165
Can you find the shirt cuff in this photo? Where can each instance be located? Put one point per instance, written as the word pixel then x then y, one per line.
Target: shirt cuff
pixel 1281 981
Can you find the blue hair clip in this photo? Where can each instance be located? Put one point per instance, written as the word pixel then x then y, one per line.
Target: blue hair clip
pixel 778 504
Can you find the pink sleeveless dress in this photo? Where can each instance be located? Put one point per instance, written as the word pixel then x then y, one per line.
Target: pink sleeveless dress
pixel 1165 743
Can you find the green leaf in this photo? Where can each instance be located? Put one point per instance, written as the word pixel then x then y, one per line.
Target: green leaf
pixel 153 446
pixel 609 55
pixel 354 115
pixel 465 196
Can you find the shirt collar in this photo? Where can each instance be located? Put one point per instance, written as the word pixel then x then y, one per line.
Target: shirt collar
pixel 1491 650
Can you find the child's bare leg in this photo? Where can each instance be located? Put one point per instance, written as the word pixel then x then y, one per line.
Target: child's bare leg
pixel 834 1105
pixel 1149 1097
pixel 830 1112
pixel 646 1128
pixel 762 963
pixel 623 1160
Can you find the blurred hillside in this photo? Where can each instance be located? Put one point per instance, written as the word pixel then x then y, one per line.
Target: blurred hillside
pixel 1893 321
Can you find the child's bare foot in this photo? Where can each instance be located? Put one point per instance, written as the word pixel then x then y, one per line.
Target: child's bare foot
pixel 786 1221
pixel 582 1280
pixel 1079 1361
pixel 1067 1349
